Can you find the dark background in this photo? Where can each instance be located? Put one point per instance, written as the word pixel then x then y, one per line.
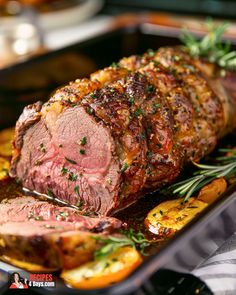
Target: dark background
pixel 220 8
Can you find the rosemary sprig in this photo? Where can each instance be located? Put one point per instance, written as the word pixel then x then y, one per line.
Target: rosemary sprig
pixel 112 243
pixel 211 47
pixel 226 167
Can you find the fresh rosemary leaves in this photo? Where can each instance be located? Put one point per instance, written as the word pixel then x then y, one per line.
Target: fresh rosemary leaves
pixel 129 238
pixel 211 47
pixel 225 167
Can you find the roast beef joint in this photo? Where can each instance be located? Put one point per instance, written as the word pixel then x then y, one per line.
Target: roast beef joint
pixel 100 143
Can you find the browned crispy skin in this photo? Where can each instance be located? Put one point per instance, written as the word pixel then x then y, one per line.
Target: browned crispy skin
pixel 163 109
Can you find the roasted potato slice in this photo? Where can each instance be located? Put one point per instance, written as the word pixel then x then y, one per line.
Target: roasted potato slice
pixel 25 265
pixel 210 192
pixel 170 216
pixel 103 272
pixel 4 168
pixel 6 137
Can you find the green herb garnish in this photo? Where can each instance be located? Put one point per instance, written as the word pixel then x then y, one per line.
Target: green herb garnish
pixel 64 170
pixel 112 243
pixel 76 190
pixel 114 65
pixel 92 95
pixel 83 141
pixel 150 88
pixel 38 163
pixel 211 47
pixel 138 112
pixel 124 167
pixel 70 160
pixel 82 152
pixel 42 148
pixel 62 214
pixel 50 193
pixel 72 176
pixel 226 167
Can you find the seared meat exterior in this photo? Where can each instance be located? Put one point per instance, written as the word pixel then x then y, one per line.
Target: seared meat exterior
pixel 99 143
pixel 50 236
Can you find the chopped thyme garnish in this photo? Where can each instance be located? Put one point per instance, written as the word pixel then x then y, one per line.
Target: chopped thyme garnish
pixel 138 112
pixel 124 167
pixel 38 162
pixel 89 110
pixel 83 141
pixel 82 152
pixel 143 135
pixel 159 145
pixel 114 65
pixel 42 148
pixel 70 160
pixel 64 170
pixel 131 100
pixel 50 193
pixel 76 190
pixel 150 88
pixel 62 215
pixel 31 215
pixel 92 95
pixel 72 176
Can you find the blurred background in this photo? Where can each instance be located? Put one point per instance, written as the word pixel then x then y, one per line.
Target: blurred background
pixel 32 27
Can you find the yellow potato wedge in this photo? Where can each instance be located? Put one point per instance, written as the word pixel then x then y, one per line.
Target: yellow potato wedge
pixel 103 272
pixel 170 216
pixel 210 192
pixel 4 168
pixel 25 265
pixel 6 137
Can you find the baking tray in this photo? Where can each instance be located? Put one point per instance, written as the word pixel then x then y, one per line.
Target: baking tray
pixel 32 80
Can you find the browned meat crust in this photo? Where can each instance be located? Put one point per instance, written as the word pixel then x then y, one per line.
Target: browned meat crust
pixel 154 113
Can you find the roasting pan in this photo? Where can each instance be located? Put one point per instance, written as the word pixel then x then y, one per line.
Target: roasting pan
pixel 35 79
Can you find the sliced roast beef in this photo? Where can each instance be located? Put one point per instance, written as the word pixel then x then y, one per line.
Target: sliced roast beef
pixel 99 143
pixel 50 236
pixel 23 209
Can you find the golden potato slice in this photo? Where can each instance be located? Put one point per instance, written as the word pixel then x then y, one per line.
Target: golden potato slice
pixel 210 192
pixel 104 272
pixel 171 216
pixel 4 168
pixel 6 137
pixel 25 265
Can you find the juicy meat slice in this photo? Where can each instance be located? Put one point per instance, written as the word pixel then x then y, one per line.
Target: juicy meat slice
pixel 100 142
pixel 63 160
pixel 29 209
